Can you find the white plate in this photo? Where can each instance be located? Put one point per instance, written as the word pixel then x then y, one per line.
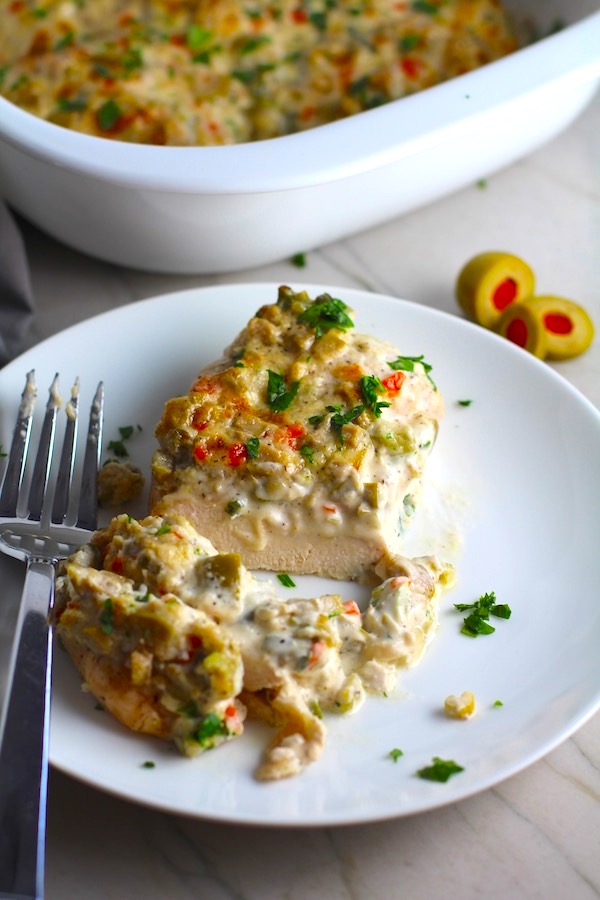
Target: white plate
pixel 516 473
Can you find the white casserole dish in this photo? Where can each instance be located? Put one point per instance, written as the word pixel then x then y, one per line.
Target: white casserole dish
pixel 218 209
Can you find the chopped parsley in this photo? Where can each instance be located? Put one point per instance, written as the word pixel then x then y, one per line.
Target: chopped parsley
pixel 279 397
pixel 338 418
pixel 407 364
pixel 71 104
pixel 148 764
pixel 253 43
pixel 197 37
pixel 118 447
pixel 163 529
pixel 408 42
pixel 252 445
pixel 371 387
pixel 477 621
pixel 285 580
pixel 107 623
pixel 65 41
pixel 396 754
pixel 210 728
pixel 497 703
pixel 440 770
pixel 133 59
pixel 325 313
pixel 298 260
pixel 424 6
pixel 108 115
pixel 306 452
pixel 464 402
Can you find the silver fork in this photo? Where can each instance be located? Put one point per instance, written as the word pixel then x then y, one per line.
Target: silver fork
pixel 39 534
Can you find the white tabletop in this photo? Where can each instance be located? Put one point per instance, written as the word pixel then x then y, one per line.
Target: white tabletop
pixel 537 835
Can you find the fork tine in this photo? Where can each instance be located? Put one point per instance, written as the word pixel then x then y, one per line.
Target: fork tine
pixel 18 449
pixel 43 459
pixel 88 497
pixel 60 506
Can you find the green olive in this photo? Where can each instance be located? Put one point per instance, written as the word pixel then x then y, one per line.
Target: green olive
pixel 490 282
pixel 521 325
pixel 569 329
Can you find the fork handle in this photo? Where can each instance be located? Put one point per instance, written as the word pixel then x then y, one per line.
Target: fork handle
pixel 25 739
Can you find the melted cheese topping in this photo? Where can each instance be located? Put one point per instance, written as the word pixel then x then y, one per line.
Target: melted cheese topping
pixel 226 71
pixel 181 642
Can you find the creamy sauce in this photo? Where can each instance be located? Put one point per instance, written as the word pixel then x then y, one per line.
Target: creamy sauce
pixel 180 641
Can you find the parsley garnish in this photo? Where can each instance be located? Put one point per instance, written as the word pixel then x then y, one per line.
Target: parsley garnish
pixel 118 447
pixel 407 364
pixel 210 727
pixel 425 7
pixel 254 43
pixel 464 402
pixel 107 623
pixel 497 703
pixel 71 104
pixel 477 622
pixel 108 115
pixel 278 396
pixel 298 260
pixel 65 41
pixel 197 37
pixel 285 580
pixel 252 445
pixel 148 764
pixel 371 387
pixel 440 770
pixel 339 419
pixel 326 312
pixel 305 450
pixel 163 529
pixel 396 754
pixel 133 59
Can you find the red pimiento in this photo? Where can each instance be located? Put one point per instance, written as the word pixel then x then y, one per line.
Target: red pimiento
pixel 237 454
pixel 299 15
pixel 351 608
pixel 410 66
pixel 505 293
pixel 516 332
pixel 290 435
pixel 316 652
pixel 117 565
pixel 558 323
pixel 200 452
pixel 392 383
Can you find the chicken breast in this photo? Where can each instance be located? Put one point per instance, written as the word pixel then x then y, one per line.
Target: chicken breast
pixel 303 449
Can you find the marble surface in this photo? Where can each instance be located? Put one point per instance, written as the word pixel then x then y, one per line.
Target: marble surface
pixel 536 835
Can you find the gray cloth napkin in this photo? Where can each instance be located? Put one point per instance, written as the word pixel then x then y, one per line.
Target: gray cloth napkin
pixel 16 296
